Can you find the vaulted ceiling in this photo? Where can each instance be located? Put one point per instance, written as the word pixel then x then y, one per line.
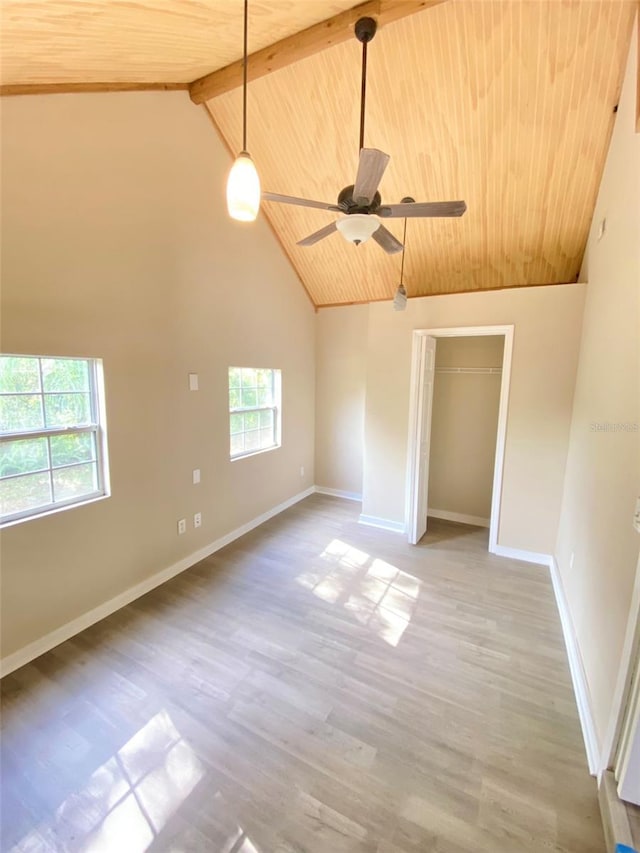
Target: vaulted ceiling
pixel 507 104
pixel 140 41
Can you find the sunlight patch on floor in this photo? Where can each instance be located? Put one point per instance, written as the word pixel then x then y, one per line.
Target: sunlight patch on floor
pixel 129 799
pixel 377 594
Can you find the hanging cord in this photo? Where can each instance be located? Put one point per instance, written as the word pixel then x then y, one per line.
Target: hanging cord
pixel 363 93
pixel 244 76
pixel 404 245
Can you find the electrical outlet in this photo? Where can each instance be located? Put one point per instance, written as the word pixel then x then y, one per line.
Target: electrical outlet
pixel 302 470
pixel 196 476
pixel 197 519
pixel 182 526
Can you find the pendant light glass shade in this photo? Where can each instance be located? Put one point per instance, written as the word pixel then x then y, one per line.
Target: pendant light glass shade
pixel 243 189
pixel 358 227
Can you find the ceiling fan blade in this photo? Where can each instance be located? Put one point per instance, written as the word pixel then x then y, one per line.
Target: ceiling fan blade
pixel 303 202
pixel 370 171
pixel 318 235
pixel 422 208
pixel 385 238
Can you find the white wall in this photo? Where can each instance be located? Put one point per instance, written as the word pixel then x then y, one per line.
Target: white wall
pixel 464 426
pixel 341 347
pixel 116 244
pixel 547 331
pixel 603 467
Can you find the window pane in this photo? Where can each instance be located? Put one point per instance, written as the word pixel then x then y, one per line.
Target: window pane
pixel 18 414
pixel 236 424
pixel 252 440
pixel 249 378
pixel 237 444
pixel 235 377
pixel 234 398
pixel 65 374
pixel 266 418
pixel 74 482
pixel 249 397
pixel 252 420
pixel 264 378
pixel 264 397
pixel 19 374
pixel 23 456
pixel 21 493
pixel 266 438
pixel 67 410
pixel 68 449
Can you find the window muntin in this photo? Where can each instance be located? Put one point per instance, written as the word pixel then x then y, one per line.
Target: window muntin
pixel 254 410
pixel 51 434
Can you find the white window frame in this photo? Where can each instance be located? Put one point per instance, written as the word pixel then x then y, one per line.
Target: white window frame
pixel 275 408
pixel 98 427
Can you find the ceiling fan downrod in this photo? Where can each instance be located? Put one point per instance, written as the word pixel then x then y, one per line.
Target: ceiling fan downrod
pixel 365 31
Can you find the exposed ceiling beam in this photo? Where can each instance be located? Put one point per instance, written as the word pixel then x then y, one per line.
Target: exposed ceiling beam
pixel 303 44
pixel 70 88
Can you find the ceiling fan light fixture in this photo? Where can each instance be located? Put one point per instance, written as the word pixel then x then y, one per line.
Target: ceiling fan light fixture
pixel 358 227
pixel 243 189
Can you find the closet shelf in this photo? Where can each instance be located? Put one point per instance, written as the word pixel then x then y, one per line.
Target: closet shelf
pixel 478 370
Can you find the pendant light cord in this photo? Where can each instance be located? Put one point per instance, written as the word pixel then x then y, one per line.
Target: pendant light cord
pixel 244 76
pixel 404 244
pixel 363 93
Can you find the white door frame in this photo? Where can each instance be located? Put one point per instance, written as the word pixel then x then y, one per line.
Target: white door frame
pixel 618 732
pixel 416 524
pixel 413 456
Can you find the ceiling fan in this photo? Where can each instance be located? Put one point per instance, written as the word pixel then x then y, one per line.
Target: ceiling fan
pixel 361 203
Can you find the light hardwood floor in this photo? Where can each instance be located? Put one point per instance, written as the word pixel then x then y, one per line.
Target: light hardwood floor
pixel 316 686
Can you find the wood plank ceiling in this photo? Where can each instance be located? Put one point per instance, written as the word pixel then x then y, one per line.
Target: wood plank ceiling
pixel 508 104
pixel 144 41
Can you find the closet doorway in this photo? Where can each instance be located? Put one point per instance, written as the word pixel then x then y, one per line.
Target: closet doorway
pixel 457 426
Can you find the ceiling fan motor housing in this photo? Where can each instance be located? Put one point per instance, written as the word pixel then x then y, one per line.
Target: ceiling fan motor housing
pixel 346 202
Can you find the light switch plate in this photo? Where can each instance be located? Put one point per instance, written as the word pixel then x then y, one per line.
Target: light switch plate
pixel 196 476
pixel 193 382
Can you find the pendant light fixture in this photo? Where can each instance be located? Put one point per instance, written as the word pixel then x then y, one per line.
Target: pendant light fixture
pixel 400 299
pixel 243 183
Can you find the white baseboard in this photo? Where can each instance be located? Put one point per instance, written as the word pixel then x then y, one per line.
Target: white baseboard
pixel 578 674
pixel 525 556
pixel 338 493
pixel 382 523
pixel 65 632
pixel 460 517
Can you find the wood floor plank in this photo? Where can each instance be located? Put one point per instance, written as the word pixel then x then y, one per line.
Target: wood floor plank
pixel 315 687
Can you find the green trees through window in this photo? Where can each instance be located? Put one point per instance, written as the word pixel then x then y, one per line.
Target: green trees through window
pixel 254 404
pixel 49 434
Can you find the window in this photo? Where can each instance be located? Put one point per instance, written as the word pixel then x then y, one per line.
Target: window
pixel 52 447
pixel 254 410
